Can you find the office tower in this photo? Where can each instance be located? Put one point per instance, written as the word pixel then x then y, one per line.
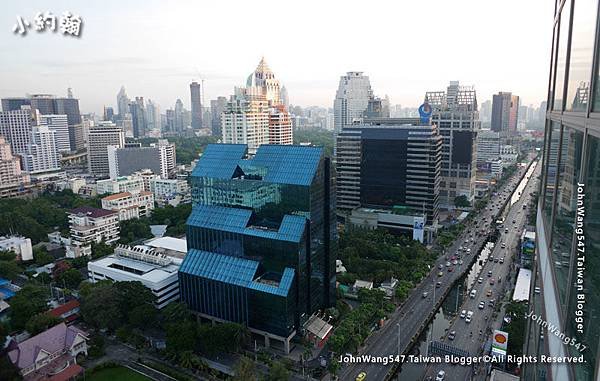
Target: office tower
pixel 217 106
pixel 390 162
pixel 179 124
pixel 42 153
pixel 568 209
pixel 109 114
pixel 14 104
pixel 196 102
pixel 44 103
pixel 77 137
pixel 122 103
pixel 351 99
pixel 16 127
pixel 285 99
pixel 68 107
pixel 47 105
pixel 542 111
pixel 488 146
pixel 100 137
pixel 152 116
pixel 159 158
pixel 505 113
pixel 455 113
pixel 260 238
pixel 58 124
pixel 169 121
pixel 376 108
pixel 485 113
pixel 138 117
pixel 12 180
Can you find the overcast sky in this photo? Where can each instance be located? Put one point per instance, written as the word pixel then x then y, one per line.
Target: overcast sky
pixel 155 48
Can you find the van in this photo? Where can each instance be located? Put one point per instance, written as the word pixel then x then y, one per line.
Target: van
pixel 473 294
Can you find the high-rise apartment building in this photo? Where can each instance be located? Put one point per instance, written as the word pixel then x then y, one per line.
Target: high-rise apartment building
pixel 91 225
pixel 351 99
pixel 488 146
pixel 260 238
pixel 152 116
pixel 122 103
pixel 159 158
pixel 137 110
pixel 12 180
pixel 42 153
pixel 455 113
pixel 505 113
pixel 196 102
pixel 100 137
pixel 16 126
pixel 280 125
pixel 179 123
pixel 387 163
pixel 217 107
pixel 59 124
pixel 568 209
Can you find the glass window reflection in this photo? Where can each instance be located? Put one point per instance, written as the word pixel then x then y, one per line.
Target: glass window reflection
pixel 561 60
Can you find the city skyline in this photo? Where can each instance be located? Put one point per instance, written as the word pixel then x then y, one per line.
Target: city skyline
pixel 146 46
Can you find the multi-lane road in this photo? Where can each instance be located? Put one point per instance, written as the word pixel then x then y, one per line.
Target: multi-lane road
pixel 471 336
pixel 407 322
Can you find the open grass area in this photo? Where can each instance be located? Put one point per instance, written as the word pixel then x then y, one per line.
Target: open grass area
pixel 117 373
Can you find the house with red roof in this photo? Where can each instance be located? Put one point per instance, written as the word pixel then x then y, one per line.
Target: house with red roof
pixel 50 355
pixel 68 311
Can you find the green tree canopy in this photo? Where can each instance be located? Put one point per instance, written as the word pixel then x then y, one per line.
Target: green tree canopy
pixel 41 322
pixel 27 302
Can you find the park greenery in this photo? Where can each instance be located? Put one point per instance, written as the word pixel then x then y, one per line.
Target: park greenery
pixel 461 202
pixel 318 137
pixel 517 311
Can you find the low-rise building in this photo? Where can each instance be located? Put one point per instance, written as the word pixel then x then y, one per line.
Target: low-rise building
pixel 51 354
pixel 396 220
pixel 154 266
pixel 67 312
pixel 21 246
pixel 389 287
pixel 170 191
pixel 132 184
pixel 130 205
pixel 88 225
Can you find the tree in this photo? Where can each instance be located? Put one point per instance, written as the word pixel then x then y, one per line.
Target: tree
pixel 143 316
pixel 175 312
pixel 245 370
pixel 461 202
pixel 9 270
pixel 70 278
pixel 181 337
pixel 27 302
pixel 7 255
pixel 100 307
pixel 8 371
pixel 44 278
pixel 41 256
pixel 517 326
pixel 41 322
pixel 134 230
pixel 101 249
pixel 278 372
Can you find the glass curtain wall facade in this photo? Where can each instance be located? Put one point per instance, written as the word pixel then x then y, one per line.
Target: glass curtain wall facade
pixel 568 214
pixel 260 236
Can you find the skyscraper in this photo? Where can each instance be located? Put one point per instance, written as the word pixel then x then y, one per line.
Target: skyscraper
pixel 196 102
pixel 100 137
pixel 255 115
pixel 285 99
pixel 217 106
pixel 152 116
pixel 42 153
pixel 179 124
pixel 568 208
pixel 47 104
pixel 16 127
pixel 351 99
pixel 122 103
pixel 455 113
pixel 109 114
pixel 505 113
pixel 261 238
pixel 137 110
pixel 60 126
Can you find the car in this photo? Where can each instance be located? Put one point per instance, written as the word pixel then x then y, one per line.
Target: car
pixel 463 313
pixel 440 376
pixel 514 221
pixel 501 260
pixel 361 376
pixel 491 302
pixel 450 269
pixel 455 262
pixel 466 241
pixel 468 251
pixel 488 293
pixel 489 273
pixel 448 264
pixel 496 260
pixel 460 262
pixel 503 245
pixel 425 294
pixel 440 266
pixel 460 248
pixel 506 230
pixel 481 305
pixel 440 273
pixel 480 280
pixel 537 290
pixel 452 335
pixel 491 258
pixel 469 317
pixel 438 285
pixel 473 293
pixel 492 281
pixel 453 258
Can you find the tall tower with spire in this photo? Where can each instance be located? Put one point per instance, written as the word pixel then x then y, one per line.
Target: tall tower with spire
pixel 263 81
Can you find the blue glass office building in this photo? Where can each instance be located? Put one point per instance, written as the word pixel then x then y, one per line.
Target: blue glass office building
pixel 260 237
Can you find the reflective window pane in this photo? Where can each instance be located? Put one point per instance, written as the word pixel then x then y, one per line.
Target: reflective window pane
pixel 551 167
pixel 569 168
pixel 582 48
pixel 561 60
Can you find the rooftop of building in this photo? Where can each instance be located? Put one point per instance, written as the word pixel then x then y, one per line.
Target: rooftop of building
pixel 283 164
pixel 92 212
pixel 175 247
pixel 135 269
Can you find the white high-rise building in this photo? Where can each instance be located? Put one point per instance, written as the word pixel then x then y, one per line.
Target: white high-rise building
pixel 42 153
pixel 455 113
pixel 12 180
pixel 351 99
pixel 100 137
pixel 488 146
pixel 60 126
pixel 255 115
pixel 122 103
pixel 16 127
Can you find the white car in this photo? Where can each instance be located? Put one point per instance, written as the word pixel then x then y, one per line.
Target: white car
pixel 480 280
pixel 481 305
pixel 440 376
pixel 463 313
